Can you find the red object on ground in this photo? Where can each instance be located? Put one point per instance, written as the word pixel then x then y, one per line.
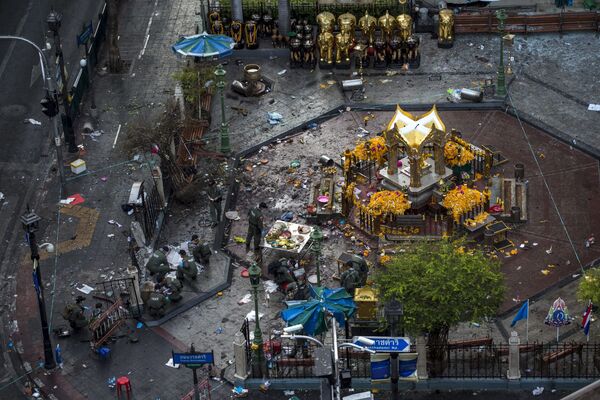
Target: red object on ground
pixel 272 347
pixel 123 382
pixel 244 273
pixel 496 208
pixel 77 199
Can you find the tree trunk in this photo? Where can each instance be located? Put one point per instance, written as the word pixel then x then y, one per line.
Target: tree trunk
pixel 284 17
pixel 114 55
pixel 237 12
pixel 437 343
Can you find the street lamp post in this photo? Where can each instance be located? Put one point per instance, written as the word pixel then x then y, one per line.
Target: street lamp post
pixel 220 76
pixel 501 89
pixel 30 221
pixel 254 275
pixel 54 21
pixel 317 239
pixel 394 312
pixel 50 100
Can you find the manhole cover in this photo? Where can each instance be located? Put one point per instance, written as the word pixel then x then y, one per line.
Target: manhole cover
pixel 13 111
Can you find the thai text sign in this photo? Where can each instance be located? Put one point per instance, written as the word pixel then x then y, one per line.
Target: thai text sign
pixel 387 344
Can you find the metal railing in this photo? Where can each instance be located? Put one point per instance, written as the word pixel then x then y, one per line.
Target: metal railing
pixel 294 360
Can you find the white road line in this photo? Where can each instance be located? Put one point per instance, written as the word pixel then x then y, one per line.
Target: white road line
pixel 11 47
pixel 144 48
pixel 117 137
pixel 146 38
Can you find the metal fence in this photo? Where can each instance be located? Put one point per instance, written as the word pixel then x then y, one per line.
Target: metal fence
pixel 294 359
pixel 121 290
pixel 307 9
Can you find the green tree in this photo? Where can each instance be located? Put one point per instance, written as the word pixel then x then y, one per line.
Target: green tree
pixel 193 81
pixel 441 284
pixel 589 287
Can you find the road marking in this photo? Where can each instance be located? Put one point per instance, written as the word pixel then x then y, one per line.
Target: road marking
pixel 13 43
pixel 117 137
pixel 145 44
pixel 146 38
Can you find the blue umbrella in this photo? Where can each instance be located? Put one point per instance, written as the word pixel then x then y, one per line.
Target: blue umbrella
pixel 204 45
pixel 312 313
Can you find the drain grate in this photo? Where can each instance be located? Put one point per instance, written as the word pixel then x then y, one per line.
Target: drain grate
pixel 435 77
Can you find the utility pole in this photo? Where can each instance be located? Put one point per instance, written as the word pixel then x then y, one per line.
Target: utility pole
pixel 49 105
pixel 54 20
pixel 501 89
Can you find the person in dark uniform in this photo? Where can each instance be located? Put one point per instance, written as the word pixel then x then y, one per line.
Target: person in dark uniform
pixel 200 250
pixel 187 268
pixel 360 265
pixel 174 287
pixel 214 198
pixel 158 264
pixel 156 304
pixel 255 226
pixel 74 313
pixel 350 280
pixel 283 276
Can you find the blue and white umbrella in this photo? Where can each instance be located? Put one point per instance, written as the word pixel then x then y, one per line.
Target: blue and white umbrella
pixel 204 45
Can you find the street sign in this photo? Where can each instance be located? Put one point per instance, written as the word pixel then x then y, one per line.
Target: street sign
pixel 193 360
pixel 386 344
pixel 85 35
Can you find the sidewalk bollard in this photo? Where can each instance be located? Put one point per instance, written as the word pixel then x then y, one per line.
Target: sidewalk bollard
pixel 514 370
pixel 421 358
pixel 241 359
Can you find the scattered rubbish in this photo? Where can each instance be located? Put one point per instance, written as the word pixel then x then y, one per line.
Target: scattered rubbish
pixel 239 239
pixel 170 364
pixel 32 121
pixel 312 125
pixel 113 222
pixel 594 107
pixel 251 316
pixel 1 196
pixel 535 243
pixel 289 392
pixel 475 324
pixel 246 299
pixel 93 134
pixel 273 57
pixel 78 166
pixel 575 276
pixel 537 391
pixel 362 132
pixel 73 200
pixel 331 82
pixel 295 164
pixel 385 80
pixel 545 272
pixel 274 118
pixel 219 330
pixel 240 110
pixel 104 178
pixel 232 215
pixel 238 390
pixel 519 268
pixel 288 216
pixel 139 325
pixel 590 241
pixel 264 387
pixel 282 72
pixel 111 235
pixel 453 95
pixel 112 382
pixel 549 251
pixel 270 286
pixel 391 73
pixel 85 289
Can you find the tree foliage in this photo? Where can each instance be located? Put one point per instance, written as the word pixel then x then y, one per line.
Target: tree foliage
pixel 193 80
pixel 589 287
pixel 441 284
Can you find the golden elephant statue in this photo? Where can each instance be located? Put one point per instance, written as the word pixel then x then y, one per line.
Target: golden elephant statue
pixel 446 28
pixel 326 21
pixel 342 43
pixel 347 24
pixel 325 42
pixel 367 25
pixel 404 23
pixel 387 23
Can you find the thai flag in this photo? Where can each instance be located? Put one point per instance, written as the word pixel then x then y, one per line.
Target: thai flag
pixel 587 319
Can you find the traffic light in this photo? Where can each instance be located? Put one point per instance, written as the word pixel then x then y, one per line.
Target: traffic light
pixel 49 106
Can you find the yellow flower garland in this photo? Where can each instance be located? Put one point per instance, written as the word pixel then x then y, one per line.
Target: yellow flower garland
pixel 457 155
pixel 461 200
pixel 388 202
pixel 372 149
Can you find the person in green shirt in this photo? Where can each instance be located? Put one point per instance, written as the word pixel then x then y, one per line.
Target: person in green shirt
pixel 200 250
pixel 255 226
pixel 158 264
pixel 214 201
pixel 187 268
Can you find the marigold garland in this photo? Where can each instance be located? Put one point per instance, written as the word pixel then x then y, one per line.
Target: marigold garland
pixel 461 200
pixel 457 155
pixel 478 219
pixel 372 149
pixel 388 202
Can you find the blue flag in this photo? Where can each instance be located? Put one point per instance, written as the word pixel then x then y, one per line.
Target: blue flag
pixel 522 314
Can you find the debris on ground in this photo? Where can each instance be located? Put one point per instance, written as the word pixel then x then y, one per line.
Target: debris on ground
pixel 246 299
pixel 537 391
pixel 73 200
pixel 32 121
pixel 239 239
pixel 274 118
pixel 170 363
pixel 594 107
pixel 282 72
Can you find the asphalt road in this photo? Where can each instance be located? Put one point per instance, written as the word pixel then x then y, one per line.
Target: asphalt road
pixel 24 147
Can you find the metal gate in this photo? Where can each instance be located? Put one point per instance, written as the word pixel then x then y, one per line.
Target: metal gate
pixel 147 205
pixel 203 391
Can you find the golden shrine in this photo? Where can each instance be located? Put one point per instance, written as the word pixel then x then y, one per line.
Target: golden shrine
pixel 416 179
